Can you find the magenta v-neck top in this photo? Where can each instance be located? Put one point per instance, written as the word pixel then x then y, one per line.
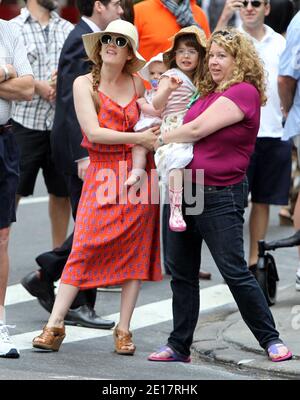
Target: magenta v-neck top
pixel 225 154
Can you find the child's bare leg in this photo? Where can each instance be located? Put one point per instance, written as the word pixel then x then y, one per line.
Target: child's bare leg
pixel 176 222
pixel 139 161
pixel 176 180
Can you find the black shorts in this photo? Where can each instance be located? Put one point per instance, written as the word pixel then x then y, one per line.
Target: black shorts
pixel 269 172
pixel 35 154
pixel 9 178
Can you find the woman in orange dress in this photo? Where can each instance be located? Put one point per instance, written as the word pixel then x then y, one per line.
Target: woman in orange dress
pixel 116 239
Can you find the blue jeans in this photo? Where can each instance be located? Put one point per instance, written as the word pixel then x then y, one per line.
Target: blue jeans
pixel 221 227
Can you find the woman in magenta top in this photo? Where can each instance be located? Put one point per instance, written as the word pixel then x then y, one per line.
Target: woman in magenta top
pixel 223 124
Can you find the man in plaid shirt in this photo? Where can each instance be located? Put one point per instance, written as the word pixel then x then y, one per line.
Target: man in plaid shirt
pixel 43 33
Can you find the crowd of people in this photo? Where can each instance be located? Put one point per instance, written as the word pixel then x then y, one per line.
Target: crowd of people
pixel 112 110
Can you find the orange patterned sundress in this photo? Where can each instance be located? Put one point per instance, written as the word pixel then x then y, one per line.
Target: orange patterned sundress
pixel 113 242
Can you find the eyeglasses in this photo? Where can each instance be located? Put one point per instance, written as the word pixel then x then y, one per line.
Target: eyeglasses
pixel 188 52
pixel 254 3
pixel 227 35
pixel 119 41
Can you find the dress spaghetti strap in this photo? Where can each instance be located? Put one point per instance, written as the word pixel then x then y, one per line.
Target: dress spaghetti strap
pixel 135 91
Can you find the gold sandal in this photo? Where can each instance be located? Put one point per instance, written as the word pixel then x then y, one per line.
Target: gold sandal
pixel 49 339
pixel 123 342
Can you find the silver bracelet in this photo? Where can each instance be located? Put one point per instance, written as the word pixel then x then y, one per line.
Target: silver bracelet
pixel 161 141
pixel 6 72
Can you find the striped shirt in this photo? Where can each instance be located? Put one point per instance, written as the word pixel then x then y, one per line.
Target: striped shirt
pixel 43 44
pixel 179 98
pixel 12 52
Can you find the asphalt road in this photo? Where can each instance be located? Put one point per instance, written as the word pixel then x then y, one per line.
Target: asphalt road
pixel 93 358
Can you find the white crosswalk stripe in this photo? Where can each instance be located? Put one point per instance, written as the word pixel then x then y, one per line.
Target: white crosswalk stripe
pixel 34 200
pixel 144 316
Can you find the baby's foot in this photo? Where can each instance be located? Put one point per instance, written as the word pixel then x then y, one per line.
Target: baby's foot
pixel 136 176
pixel 132 180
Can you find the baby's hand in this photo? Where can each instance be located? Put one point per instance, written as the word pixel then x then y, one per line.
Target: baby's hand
pixel 175 82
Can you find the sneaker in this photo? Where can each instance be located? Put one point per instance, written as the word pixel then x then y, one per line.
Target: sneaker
pixel 7 348
pixel 298 281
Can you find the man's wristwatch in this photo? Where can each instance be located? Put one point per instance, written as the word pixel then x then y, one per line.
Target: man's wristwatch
pixel 160 140
pixel 6 72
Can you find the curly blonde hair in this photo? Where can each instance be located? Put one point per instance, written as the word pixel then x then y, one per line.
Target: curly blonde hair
pixel 248 67
pixel 96 71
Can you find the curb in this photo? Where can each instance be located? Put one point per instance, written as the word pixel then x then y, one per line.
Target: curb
pixel 212 343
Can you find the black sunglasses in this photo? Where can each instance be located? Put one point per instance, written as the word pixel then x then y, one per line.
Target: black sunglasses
pixel 254 3
pixel 119 41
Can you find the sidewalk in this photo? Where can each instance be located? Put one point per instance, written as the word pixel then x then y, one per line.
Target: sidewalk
pixel 223 337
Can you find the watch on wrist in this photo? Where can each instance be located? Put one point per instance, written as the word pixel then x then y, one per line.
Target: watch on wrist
pixel 6 72
pixel 160 140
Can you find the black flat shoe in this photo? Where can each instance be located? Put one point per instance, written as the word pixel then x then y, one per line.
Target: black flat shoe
pixel 86 316
pixel 40 288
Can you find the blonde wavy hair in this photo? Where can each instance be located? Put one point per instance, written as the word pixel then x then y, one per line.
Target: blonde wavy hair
pixel 248 67
pixel 96 71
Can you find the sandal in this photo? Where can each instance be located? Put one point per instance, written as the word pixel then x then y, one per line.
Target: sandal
pixel 123 342
pixel 50 339
pixel 171 355
pixel 273 352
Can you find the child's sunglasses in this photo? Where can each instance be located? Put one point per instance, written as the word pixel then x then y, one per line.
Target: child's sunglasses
pixel 119 41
